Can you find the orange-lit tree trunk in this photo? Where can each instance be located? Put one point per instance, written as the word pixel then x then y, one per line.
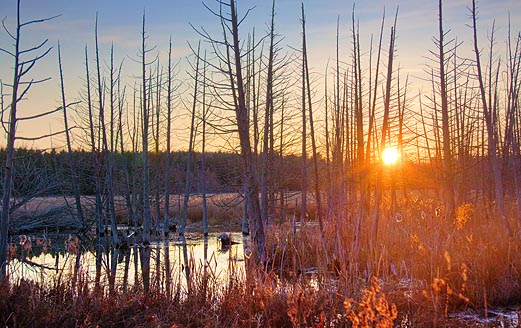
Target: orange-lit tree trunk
pixel 268 126
pixel 490 125
pixel 448 180
pixel 307 85
pixel 384 133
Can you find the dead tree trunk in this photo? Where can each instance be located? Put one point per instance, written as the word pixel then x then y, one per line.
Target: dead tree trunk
pixel 72 166
pixel 241 112
pixel 267 126
pixel 491 129
pixel 166 210
pixel 21 67
pixel 188 185
pixel 448 180
pixel 385 128
pixel 318 196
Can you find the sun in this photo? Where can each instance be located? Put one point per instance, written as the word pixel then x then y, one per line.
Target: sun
pixel 390 155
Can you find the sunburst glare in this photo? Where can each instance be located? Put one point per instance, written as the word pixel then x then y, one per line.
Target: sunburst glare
pixel 390 155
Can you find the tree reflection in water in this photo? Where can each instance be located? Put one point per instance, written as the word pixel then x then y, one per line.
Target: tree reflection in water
pixel 177 265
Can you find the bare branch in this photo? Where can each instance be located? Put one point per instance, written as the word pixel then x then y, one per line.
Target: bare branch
pixel 42 136
pixel 7 52
pixel 7 30
pixel 34 48
pixel 29 84
pixel 31 63
pixel 47 112
pixel 42 20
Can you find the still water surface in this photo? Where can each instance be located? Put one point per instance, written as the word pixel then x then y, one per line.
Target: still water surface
pixel 174 257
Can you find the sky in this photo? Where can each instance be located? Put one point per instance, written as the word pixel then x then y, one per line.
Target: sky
pixel 120 24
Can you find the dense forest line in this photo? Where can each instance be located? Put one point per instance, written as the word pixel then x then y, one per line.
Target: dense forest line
pixel 47 174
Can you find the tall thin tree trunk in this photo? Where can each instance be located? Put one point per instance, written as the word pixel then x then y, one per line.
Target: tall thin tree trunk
pixel 188 172
pixel 72 166
pixel 145 251
pixel 241 112
pixel 492 139
pixel 166 210
pixel 9 160
pixel 267 126
pixel 304 183
pixel 318 196
pixel 448 180
pixel 203 158
pixel 385 127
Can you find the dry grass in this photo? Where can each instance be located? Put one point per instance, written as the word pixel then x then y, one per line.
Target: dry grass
pixel 223 209
pixel 426 265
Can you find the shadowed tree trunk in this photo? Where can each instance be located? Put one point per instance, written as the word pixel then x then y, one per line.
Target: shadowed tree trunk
pixel 318 196
pixel 166 210
pixel 304 181
pixel 241 112
pixel 72 166
pixel 145 251
pixel 203 159
pixel 188 185
pixel 268 127
pixel 21 67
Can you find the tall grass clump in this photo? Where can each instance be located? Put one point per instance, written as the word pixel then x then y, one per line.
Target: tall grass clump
pixel 429 265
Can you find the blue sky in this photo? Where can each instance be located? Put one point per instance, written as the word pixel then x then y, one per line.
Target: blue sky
pixel 120 23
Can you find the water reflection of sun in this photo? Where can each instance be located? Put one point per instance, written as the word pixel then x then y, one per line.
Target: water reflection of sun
pixel 390 155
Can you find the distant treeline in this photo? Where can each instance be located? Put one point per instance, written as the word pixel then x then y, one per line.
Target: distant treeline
pixel 46 173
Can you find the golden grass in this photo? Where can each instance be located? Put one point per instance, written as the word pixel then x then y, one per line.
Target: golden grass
pixel 429 265
pixel 424 267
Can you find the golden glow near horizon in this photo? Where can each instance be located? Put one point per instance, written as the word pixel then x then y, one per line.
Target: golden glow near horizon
pixel 390 156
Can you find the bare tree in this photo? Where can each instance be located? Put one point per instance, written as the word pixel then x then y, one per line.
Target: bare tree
pixel 304 168
pixel 182 227
pixel 229 54
pixel 383 136
pixel 307 92
pixel 267 114
pixel 72 166
pixel 145 117
pixel 169 99
pixel 106 160
pixel 490 123
pixel 448 184
pixel 511 144
pixel 204 117
pixel 25 60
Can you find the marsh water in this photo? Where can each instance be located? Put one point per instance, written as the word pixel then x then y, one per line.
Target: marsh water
pixel 172 261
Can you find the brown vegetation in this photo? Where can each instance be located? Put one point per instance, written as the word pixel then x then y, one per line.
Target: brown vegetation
pixel 425 267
